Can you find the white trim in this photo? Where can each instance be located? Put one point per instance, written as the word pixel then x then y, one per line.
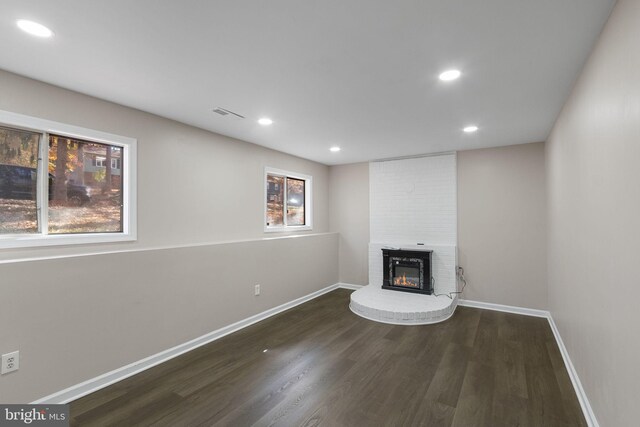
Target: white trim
pixel 308 201
pixel 43 182
pixel 287 228
pixel 40 240
pixel 162 248
pixel 506 308
pixel 49 126
pixel 79 390
pixel 587 410
pixel 46 127
pixel 349 286
pixel 129 168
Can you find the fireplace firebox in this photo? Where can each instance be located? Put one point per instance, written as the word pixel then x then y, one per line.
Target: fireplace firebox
pixel 407 270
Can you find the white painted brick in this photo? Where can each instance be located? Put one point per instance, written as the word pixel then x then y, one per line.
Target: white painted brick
pixel 411 201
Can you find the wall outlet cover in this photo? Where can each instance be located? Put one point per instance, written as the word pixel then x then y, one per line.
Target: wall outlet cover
pixel 10 362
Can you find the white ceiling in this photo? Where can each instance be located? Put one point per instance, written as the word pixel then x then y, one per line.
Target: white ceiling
pixel 361 74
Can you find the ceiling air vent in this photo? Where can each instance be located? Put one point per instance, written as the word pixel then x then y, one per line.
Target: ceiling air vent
pixel 225 112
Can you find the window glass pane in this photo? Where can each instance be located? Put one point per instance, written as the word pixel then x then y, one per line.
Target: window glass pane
pixel 18 181
pixel 85 191
pixel 275 200
pixel 295 201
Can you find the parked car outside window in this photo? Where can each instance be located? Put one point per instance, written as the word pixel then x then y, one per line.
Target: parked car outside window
pixel 19 182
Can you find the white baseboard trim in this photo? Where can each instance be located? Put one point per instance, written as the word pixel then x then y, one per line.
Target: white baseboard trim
pixel 79 390
pixel 587 410
pixel 506 308
pixel 349 286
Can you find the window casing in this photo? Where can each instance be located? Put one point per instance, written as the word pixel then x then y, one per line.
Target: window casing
pixel 62 207
pixel 288 201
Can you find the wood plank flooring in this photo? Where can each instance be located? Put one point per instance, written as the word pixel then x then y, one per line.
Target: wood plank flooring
pixel 326 366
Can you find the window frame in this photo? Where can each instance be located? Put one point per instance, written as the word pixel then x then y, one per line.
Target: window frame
pixel 129 209
pixel 308 200
pixel 98 162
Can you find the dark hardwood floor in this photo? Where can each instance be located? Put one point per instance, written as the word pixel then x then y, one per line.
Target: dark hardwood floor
pixel 326 366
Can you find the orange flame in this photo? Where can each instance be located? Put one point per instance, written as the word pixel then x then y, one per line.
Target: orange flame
pixel 402 281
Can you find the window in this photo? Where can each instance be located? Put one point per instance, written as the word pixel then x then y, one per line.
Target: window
pixel 18 181
pixel 61 184
pixel 99 162
pixel 288 201
pixel 98 193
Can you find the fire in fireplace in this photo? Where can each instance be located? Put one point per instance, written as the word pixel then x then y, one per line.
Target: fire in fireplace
pixel 407 270
pixel 402 281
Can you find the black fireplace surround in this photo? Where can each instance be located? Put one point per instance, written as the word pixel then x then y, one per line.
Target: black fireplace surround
pixel 407 270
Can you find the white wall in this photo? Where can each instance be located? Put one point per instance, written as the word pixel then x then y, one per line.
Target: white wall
pixel 75 317
pixel 593 182
pixel 502 225
pixel 414 201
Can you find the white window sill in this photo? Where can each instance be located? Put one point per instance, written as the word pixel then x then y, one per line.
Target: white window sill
pixel 287 229
pixel 26 241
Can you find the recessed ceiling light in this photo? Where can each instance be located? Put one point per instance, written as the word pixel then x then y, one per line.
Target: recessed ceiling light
pixel 265 121
pixel 470 129
pixel 34 28
pixel 334 149
pixel 449 75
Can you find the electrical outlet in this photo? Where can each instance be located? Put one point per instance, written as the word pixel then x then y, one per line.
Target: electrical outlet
pixel 10 362
pixel 257 290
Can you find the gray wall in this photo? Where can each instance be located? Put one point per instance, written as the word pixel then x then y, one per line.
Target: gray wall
pixel 593 181
pixel 349 215
pixel 77 317
pixel 219 179
pixel 502 225
pixel 69 328
pixel 501 204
